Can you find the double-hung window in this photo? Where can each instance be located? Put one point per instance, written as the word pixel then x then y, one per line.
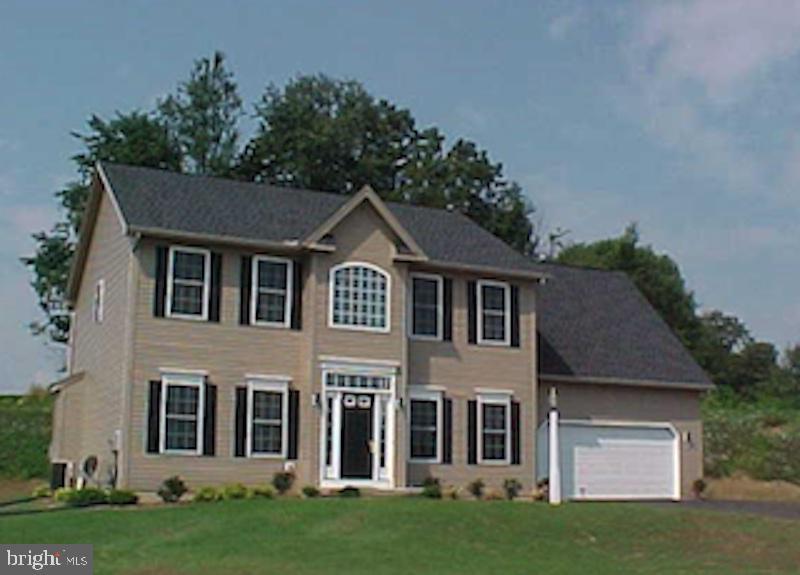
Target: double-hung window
pixel 188 283
pixel 268 411
pixel 359 297
pixel 494 429
pixel 494 313
pixel 181 414
pixel 426 306
pixel 271 291
pixel 426 426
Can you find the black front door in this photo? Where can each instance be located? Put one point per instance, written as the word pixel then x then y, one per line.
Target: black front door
pixel 356 437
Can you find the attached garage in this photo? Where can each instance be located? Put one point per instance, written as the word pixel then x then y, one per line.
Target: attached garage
pixel 614 460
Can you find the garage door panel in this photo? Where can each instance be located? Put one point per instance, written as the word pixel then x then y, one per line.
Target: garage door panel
pixel 615 462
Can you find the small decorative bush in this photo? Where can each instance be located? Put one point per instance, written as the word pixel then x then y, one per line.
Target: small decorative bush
pixel 699 487
pixel 310 491
pixel 432 488
pixel 512 487
pixel 235 491
pixel 476 488
pixel 172 489
pixel 538 494
pixel 494 494
pixel 451 492
pixel 348 492
pixel 263 492
pixel 81 497
pixel 41 492
pixel 283 481
pixel 122 497
pixel 207 494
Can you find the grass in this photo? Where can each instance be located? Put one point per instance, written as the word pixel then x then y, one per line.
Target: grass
pixel 405 535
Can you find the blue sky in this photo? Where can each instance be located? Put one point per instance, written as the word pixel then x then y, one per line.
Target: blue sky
pixel 681 116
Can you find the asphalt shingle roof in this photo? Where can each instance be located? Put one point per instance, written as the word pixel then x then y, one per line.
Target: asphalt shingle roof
pixel 592 323
pixel 596 323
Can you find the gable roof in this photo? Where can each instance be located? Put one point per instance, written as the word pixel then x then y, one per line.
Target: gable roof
pixel 159 202
pixel 596 326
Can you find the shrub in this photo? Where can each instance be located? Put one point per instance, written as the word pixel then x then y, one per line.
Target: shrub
pixel 432 488
pixel 283 481
pixel 25 436
pixel 512 487
pixel 41 492
pixel 263 492
pixel 538 494
pixel 699 488
pixel 81 497
pixel 207 494
pixel 235 491
pixel 348 492
pixel 493 495
pixel 122 497
pixel 451 492
pixel 310 491
pixel 476 488
pixel 172 489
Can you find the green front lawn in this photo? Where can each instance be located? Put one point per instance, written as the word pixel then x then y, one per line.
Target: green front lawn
pixel 409 535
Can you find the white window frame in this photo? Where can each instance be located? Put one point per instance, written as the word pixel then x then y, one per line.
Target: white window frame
pixel 171 282
pixel 506 342
pixel 98 301
pixel 437 397
pixel 255 289
pixel 274 385
pixel 184 380
pixel 495 398
pixel 439 306
pixel 332 290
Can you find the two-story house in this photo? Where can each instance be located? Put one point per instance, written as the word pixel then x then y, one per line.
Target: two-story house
pixel 223 331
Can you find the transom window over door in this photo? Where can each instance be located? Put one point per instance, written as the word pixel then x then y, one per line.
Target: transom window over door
pixel 426 306
pixel 188 283
pixel 359 296
pixel 494 314
pixel 272 288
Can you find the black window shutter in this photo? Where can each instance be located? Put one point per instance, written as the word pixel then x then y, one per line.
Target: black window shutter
pixel 447 431
pixel 294 423
pixel 244 290
pixel 297 295
pixel 215 296
pixel 160 273
pixel 472 432
pixel 447 312
pixel 240 425
pixel 516 436
pixel 514 316
pixel 210 420
pixel 472 311
pixel 153 417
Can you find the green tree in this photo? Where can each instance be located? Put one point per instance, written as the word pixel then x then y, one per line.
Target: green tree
pixel 134 138
pixel 203 116
pixel 720 337
pixel 333 135
pixel 657 277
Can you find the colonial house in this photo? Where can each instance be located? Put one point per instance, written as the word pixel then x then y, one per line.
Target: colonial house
pixel 224 331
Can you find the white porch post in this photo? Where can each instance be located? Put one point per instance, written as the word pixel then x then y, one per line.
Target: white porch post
pixel 554 463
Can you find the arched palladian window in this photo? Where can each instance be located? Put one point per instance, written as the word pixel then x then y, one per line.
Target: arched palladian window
pixel 359 297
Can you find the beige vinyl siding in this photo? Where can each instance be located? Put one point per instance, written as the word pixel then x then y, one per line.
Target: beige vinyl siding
pixel 228 351
pixel 681 408
pixel 460 368
pixel 90 410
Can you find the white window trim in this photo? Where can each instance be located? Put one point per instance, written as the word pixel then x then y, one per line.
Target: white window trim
pixel 428 395
pixel 189 380
pixel 331 292
pixel 206 282
pixel 98 301
pixel 254 290
pixel 506 342
pixel 439 306
pixel 497 398
pixel 275 385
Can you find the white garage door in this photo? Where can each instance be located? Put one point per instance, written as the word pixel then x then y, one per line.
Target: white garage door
pixel 614 461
